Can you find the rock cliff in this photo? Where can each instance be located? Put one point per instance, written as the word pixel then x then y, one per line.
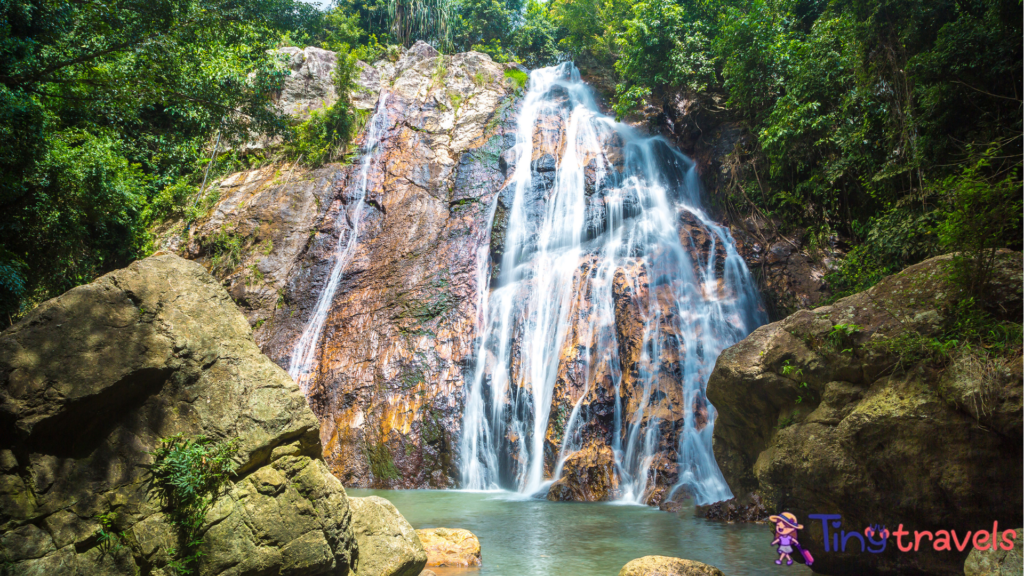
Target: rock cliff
pixel 396 347
pixel 828 412
pixel 427 221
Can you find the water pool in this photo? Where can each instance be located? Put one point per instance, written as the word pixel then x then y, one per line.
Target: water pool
pixel 530 537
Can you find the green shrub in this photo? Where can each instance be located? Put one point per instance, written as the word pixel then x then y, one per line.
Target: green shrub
pixel 981 215
pixel 188 476
pixel 517 78
pixel 324 137
pixel 224 250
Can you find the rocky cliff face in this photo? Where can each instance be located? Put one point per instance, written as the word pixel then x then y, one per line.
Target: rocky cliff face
pixel 396 349
pixel 397 344
pixel 827 412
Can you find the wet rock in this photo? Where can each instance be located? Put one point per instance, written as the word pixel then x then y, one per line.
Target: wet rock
pixel 817 416
pixel 388 546
pixel 790 276
pixel 749 508
pixel 667 566
pixel 93 379
pixel 587 476
pixel 546 163
pixel 998 562
pixel 450 547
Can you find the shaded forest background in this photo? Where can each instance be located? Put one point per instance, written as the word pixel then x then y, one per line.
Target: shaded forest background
pixel 890 128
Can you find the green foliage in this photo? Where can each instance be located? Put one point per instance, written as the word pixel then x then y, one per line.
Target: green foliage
pixel 517 77
pixel 588 29
pixel 456 100
pixel 788 369
pixel 981 216
pixel 410 20
pixel 861 126
pixel 325 136
pixel 188 475
pixel 969 331
pixel 224 251
pixel 787 420
pixel 109 538
pixel 107 111
pixel 665 44
pixel 534 41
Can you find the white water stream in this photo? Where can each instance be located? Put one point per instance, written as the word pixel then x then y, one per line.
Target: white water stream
pixel 607 215
pixel 301 364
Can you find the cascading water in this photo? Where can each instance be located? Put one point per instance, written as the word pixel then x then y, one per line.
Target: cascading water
pixel 300 365
pixel 591 220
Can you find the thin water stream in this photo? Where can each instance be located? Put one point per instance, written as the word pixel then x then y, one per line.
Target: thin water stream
pixel 529 537
pixel 301 364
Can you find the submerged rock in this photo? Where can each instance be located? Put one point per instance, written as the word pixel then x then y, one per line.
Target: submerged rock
pixel 828 411
pixel 450 547
pixel 388 546
pixel 667 566
pixel 91 381
pixel 744 509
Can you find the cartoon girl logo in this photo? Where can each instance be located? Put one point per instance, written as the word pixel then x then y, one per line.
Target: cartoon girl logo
pixel 786 526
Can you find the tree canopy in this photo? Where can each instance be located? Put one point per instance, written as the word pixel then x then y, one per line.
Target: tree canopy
pixel 871 123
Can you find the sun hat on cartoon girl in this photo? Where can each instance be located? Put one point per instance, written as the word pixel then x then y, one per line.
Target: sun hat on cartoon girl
pixel 786 526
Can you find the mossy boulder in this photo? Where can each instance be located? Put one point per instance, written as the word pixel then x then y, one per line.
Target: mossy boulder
pixel 388 545
pixel 997 562
pixel 834 411
pixel 89 384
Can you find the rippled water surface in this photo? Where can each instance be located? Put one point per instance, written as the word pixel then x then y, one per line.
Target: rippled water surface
pixel 538 538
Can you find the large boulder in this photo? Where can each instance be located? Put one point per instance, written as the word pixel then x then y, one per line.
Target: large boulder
pixel 388 545
pixel 450 547
pixel 89 384
pixel 832 411
pixel 667 566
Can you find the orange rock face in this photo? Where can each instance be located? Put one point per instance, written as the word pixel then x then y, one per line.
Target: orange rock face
pixel 397 344
pixel 447 547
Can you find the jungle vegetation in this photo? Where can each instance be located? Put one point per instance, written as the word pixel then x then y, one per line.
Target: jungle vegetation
pixel 889 128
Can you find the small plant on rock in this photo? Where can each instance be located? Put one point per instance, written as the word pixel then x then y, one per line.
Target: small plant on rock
pixel 840 338
pixel 188 475
pixel 108 537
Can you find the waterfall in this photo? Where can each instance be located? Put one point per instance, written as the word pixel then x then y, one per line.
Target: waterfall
pixel 592 225
pixel 300 365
